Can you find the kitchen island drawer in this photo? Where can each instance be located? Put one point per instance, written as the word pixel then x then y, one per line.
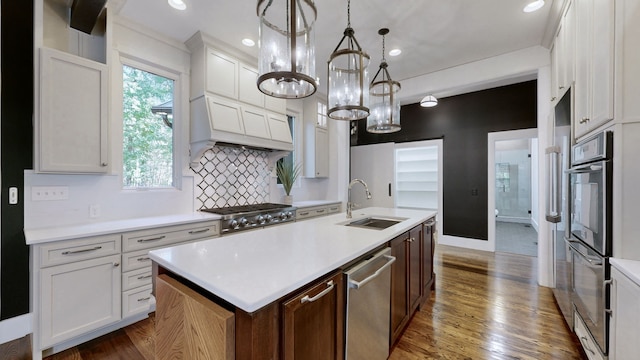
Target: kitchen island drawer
pixel 588 343
pixel 137 301
pixel 310 212
pixel 333 209
pixel 136 278
pixel 68 251
pixel 165 236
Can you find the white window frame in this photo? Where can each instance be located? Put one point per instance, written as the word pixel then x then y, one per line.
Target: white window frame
pixel 177 119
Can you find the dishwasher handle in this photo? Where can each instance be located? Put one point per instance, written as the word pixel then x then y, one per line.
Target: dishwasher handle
pixel 353 284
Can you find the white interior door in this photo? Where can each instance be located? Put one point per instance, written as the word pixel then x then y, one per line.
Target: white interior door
pixel 374 164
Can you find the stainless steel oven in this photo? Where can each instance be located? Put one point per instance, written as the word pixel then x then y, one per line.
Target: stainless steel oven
pixel 590 208
pixel 590 273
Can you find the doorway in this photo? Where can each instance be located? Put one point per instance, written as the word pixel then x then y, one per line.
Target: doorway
pixel 512 192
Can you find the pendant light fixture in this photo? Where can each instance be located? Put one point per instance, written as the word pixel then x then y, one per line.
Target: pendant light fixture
pixel 286 61
pixel 429 101
pixel 348 84
pixel 384 114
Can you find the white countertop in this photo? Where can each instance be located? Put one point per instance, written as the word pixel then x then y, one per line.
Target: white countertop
pixel 252 269
pixel 43 235
pixel 631 268
pixel 311 203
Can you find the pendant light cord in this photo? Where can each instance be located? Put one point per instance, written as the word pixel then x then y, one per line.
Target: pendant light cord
pixel 383 49
pixel 348 13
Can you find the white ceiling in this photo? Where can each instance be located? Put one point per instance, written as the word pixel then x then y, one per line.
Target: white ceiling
pixel 433 34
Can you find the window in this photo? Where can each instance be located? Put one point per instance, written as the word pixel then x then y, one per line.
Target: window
pixel 291 158
pixel 148 156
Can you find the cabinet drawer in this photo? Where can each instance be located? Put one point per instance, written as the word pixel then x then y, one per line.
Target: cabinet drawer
pixel 136 278
pixel 588 344
pixel 310 212
pixel 333 209
pixel 136 301
pixel 68 251
pixel 153 238
pixel 136 260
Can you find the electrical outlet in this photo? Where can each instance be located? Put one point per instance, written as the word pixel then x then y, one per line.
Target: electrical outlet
pixel 49 193
pixel 94 211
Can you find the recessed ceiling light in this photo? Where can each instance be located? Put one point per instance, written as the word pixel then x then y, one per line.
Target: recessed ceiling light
pixel 248 42
pixel 177 4
pixel 395 52
pixel 533 6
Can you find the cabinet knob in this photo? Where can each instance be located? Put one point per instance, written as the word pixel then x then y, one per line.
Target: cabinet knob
pixel 584 120
pixel 560 87
pixel 104 164
pixel 553 98
pixel 116 264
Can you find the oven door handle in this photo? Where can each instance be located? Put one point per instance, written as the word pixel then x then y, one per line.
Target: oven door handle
pixel 584 169
pixel 592 260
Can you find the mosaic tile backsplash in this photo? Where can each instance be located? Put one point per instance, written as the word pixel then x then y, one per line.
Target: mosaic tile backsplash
pixel 228 177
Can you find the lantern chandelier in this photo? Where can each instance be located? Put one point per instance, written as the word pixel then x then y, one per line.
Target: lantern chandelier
pixel 385 108
pixel 348 83
pixel 286 61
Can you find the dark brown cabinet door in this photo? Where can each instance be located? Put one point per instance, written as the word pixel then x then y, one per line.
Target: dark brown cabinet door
pixel 427 259
pixel 313 322
pixel 415 266
pixel 399 304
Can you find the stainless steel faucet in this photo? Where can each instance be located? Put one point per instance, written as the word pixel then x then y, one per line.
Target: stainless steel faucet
pixel 349 204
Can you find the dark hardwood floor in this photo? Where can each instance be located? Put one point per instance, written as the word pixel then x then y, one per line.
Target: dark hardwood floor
pixel 486 306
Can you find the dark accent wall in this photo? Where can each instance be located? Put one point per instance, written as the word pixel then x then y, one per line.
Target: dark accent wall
pixel 463 123
pixel 16 150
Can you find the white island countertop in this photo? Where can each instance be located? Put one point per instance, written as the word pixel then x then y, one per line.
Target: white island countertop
pixel 254 268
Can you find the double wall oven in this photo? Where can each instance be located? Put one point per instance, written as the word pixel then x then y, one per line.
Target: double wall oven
pixel 590 207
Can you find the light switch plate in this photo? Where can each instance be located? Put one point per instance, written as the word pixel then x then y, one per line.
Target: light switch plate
pixel 13 195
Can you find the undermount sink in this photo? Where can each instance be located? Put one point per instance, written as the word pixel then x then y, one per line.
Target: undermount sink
pixel 375 222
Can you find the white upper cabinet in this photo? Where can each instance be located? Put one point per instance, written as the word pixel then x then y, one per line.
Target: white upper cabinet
pixel 594 65
pixel 221 74
pixel 255 122
pixel 225 115
pixel 279 128
pixel 71 130
pixel 248 88
pixel 316 135
pixel 563 54
pixel 275 104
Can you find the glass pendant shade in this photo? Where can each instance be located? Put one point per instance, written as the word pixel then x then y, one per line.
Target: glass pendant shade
pixel 286 60
pixel 348 83
pixel 429 101
pixel 384 107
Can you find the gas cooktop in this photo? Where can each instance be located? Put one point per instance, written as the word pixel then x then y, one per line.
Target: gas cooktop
pixel 245 217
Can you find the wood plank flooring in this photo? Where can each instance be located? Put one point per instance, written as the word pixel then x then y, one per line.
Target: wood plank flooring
pixel 486 306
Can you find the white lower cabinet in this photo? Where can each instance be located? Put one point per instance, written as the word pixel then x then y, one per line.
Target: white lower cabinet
pixel 588 343
pixel 86 287
pixel 313 211
pixel 625 310
pixel 79 297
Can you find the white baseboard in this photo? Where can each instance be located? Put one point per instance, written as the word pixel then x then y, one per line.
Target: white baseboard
pixel 469 243
pixel 15 328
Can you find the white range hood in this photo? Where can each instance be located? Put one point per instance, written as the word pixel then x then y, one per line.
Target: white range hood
pixel 217 120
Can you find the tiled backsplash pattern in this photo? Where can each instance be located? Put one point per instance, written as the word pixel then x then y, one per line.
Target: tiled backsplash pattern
pixel 229 176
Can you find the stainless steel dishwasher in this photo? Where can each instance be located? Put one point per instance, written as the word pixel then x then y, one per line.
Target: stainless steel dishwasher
pixel 368 307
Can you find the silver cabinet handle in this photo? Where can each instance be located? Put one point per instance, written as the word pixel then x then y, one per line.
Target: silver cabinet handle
pixel 199 231
pixel 144 299
pixel 334 208
pixel 81 251
pixel 353 284
pixel 143 258
pixel 410 239
pixel 144 277
pixel 584 120
pixel 151 239
pixel 553 98
pixel 304 213
pixel 320 211
pixel 307 299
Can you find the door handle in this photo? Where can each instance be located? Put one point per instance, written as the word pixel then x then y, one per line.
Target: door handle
pixel 389 189
pixel 307 299
pixel 353 284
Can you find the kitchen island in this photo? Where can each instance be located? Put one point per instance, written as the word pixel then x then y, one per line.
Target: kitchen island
pixel 252 274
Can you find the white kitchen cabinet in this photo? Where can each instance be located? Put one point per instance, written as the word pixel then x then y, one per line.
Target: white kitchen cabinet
pixel 71 127
pixel 279 127
pixel 247 88
pixel 255 122
pixel 625 334
pixel 225 115
pixel 563 54
pixel 275 104
pixel 80 297
pixel 594 101
pixel 313 211
pixel 221 74
pixel 316 164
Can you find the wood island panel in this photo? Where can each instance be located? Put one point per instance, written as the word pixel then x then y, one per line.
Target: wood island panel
pixel 190 326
